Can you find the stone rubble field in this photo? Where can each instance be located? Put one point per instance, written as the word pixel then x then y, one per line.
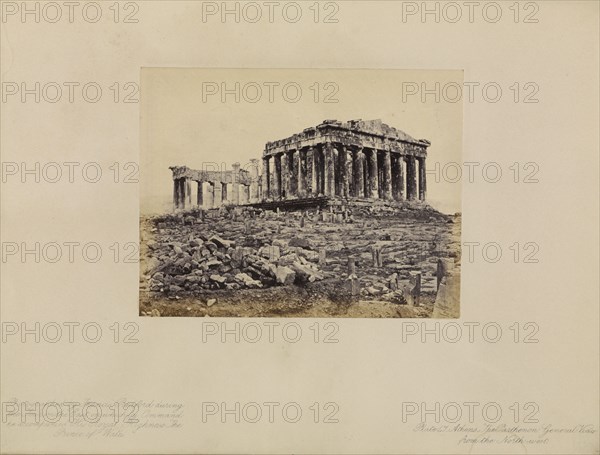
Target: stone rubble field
pixel 378 261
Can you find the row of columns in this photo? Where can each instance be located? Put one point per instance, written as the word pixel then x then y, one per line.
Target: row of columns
pixel 214 194
pixel 328 170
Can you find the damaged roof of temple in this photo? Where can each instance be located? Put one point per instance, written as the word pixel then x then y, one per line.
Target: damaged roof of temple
pixel 352 128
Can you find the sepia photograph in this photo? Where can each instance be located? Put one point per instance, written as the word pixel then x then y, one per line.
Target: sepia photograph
pixel 299 193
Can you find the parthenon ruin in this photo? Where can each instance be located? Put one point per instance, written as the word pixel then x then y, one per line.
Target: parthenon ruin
pixel 354 160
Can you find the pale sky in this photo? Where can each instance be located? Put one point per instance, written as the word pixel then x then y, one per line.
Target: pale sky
pixel 184 123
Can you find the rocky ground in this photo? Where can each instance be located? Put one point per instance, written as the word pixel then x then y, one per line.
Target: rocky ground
pixel 375 261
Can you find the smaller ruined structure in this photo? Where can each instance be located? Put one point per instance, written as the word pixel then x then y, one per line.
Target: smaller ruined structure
pixel 213 187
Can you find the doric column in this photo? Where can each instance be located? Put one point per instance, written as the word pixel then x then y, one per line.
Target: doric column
pixel 319 162
pixel 235 184
pixel 301 173
pixel 380 175
pixel 329 170
pixel 310 180
pixel 394 160
pixel 397 182
pixel 337 167
pixel 186 190
pixel 175 194
pixel 422 179
pixel 349 188
pixel 401 178
pixel 320 169
pixel 217 194
pixel 277 177
pixel 210 193
pixel 182 194
pixel 373 175
pixel 411 178
pixel 387 175
pixel 285 176
pixel 224 192
pixel 366 173
pixel 200 195
pixel 359 163
pixel 294 161
pixel 244 194
pixel 266 179
pixel 254 180
pixel 342 171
